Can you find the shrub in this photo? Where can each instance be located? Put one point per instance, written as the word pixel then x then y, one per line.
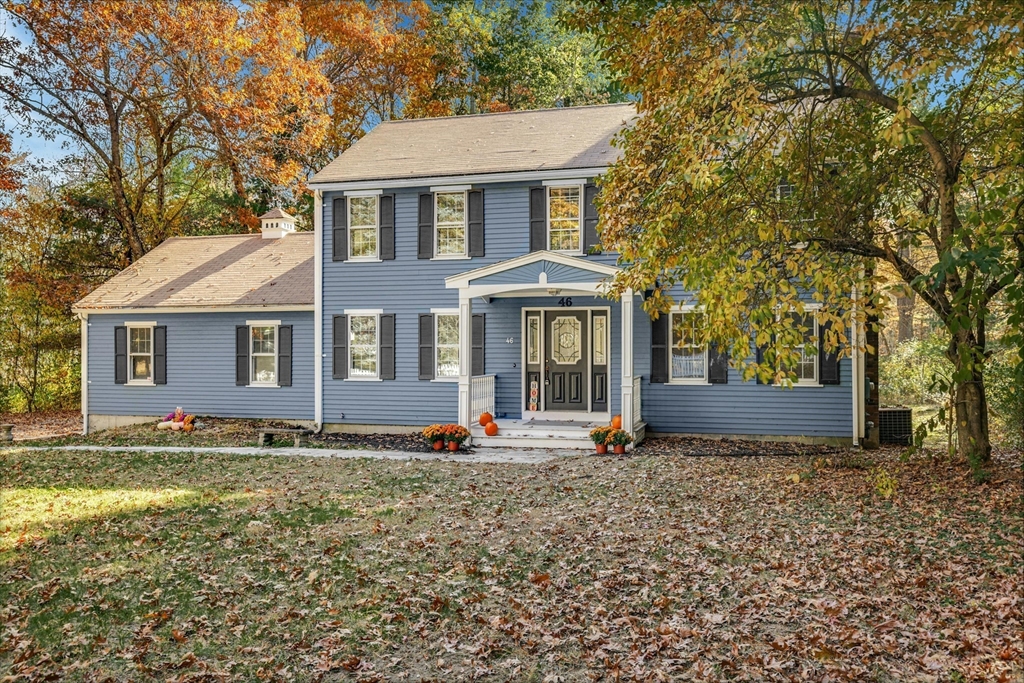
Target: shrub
pixel 908 375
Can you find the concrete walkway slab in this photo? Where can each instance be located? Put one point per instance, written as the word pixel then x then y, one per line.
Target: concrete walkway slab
pixel 520 456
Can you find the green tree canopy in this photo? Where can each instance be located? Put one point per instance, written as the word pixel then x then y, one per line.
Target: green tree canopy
pixel 783 146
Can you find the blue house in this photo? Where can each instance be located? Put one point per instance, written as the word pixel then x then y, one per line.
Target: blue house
pixel 454 268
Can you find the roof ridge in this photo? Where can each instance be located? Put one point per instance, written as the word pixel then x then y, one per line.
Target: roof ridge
pixel 233 234
pixel 503 113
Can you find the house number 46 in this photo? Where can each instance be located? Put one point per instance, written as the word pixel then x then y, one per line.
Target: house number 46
pixel 565 301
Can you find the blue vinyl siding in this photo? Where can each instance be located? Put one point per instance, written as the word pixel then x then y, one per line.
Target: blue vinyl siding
pixel 201 368
pixel 741 407
pixel 409 286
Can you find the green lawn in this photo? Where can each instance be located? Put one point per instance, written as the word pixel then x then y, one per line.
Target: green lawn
pixel 188 568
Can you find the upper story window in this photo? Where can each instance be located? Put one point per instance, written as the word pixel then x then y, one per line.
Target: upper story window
pixel 263 354
pixel 565 212
pixel 688 355
pixel 362 222
pixel 140 355
pixel 450 224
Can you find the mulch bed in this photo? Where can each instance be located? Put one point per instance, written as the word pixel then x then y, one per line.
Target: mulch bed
pixel 413 443
pixel 678 445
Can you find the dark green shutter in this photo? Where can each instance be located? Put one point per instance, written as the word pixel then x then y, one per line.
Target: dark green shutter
pixel 160 354
pixel 284 356
pixel 339 232
pixel 475 199
pixel 828 363
pixel 591 241
pixel 426 346
pixel 121 355
pixel 386 227
pixel 426 226
pixel 478 343
pixel 718 365
pixel 387 346
pixel 242 355
pixel 759 357
pixel 538 219
pixel 339 357
pixel 659 349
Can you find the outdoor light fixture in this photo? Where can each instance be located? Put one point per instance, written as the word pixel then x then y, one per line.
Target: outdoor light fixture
pixel 554 292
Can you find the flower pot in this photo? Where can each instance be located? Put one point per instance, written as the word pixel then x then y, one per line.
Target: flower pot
pixel 439 445
pixel 453 445
pixel 602 448
pixel 620 449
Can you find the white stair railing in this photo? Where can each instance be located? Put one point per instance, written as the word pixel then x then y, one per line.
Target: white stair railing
pixel 481 397
pixel 636 401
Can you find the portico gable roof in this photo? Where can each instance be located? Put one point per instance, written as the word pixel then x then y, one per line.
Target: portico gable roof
pixel 532 270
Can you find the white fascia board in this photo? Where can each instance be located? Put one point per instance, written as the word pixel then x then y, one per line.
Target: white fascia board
pixel 191 309
pixel 476 179
pixel 363 193
pixel 460 280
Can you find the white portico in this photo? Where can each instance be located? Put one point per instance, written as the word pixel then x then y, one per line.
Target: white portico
pixel 566 369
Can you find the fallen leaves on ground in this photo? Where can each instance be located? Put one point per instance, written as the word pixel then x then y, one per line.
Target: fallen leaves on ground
pixel 184 568
pixel 43 425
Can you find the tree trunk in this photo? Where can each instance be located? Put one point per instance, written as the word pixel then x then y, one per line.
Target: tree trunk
pixel 905 309
pixel 971 406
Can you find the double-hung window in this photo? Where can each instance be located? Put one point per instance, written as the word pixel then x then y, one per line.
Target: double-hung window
pixel 263 354
pixel 363 345
pixel 450 224
pixel 806 366
pixel 362 227
pixel 565 213
pixel 689 355
pixel 446 346
pixel 140 354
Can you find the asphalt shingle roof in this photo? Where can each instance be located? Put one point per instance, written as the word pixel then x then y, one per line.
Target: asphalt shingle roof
pixel 545 139
pixel 213 271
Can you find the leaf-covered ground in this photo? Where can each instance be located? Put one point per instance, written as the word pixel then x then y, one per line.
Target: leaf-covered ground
pixel 184 568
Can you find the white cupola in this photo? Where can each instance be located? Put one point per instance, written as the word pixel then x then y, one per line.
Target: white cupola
pixel 275 224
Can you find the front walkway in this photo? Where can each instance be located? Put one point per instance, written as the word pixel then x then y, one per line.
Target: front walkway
pixel 519 456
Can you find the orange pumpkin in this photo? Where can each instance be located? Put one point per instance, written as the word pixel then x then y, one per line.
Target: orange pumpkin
pixel 491 429
pixel 617 422
pixel 485 419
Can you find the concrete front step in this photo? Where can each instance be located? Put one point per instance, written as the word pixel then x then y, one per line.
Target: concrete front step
pixel 501 441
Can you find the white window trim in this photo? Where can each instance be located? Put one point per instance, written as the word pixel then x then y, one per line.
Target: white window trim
pixel 451 188
pixel 363 193
pixel 276 324
pixel 362 313
pixel 151 382
pixel 816 382
pixel 686 381
pixel 437 312
pixel 547 214
pixel 376 226
pixel 464 190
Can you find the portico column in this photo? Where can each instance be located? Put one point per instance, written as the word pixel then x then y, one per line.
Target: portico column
pixel 627 362
pixel 465 358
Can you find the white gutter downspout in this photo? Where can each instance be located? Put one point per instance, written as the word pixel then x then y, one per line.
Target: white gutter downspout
pixel 84 317
pixel 318 310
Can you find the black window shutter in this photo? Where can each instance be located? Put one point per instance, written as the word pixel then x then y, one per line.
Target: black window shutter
pixel 718 365
pixel 339 233
pixel 659 349
pixel 538 219
pixel 479 330
pixel 121 355
pixel 759 356
pixel 387 346
pixel 426 226
pixel 386 227
pixel 339 357
pixel 160 354
pixel 284 356
pixel 475 200
pixel 242 355
pixel 427 346
pixel 828 363
pixel 590 238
